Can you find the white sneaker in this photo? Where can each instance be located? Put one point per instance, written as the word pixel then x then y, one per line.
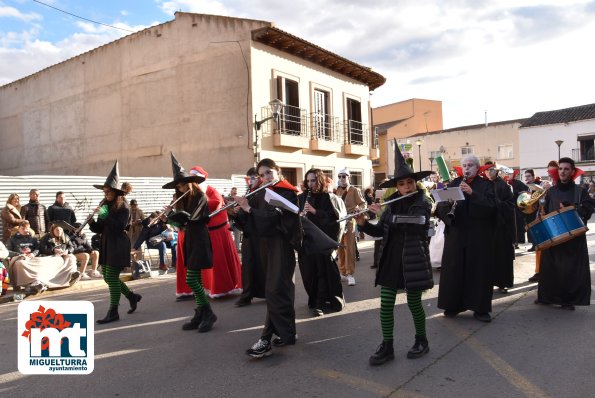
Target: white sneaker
pixel 350 280
pixel 343 278
pixel 85 277
pixel 95 274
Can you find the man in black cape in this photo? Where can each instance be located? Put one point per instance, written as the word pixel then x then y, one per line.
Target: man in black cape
pixel 466 278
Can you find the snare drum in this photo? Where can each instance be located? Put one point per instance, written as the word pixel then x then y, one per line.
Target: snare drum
pixel 556 227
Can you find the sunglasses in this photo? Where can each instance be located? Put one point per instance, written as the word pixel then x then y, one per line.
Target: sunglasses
pixel 343 176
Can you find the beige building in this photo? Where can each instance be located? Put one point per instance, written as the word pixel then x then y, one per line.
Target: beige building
pixel 400 120
pixel 497 142
pixel 197 86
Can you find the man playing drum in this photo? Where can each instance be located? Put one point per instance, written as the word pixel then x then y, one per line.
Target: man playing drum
pixel 565 278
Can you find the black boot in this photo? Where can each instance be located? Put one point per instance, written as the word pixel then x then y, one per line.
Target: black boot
pixel 208 319
pixel 419 349
pixel 112 315
pixel 384 353
pixel 133 299
pixel 195 321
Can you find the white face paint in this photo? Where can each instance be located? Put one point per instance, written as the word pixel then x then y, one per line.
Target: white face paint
pixel 469 168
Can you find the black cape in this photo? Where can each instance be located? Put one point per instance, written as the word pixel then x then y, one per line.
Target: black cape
pixel 114 246
pixel 504 236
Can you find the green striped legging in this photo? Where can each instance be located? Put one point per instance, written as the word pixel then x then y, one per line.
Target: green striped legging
pixel 194 280
pixel 111 276
pixel 387 316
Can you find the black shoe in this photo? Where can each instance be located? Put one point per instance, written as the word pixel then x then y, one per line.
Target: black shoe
pixel 568 307
pixel 383 354
pixel 451 313
pixel 482 316
pixel 112 315
pixel 534 278
pixel 516 246
pixel 531 249
pixel 537 302
pixel 195 321
pixel 503 290
pixel 317 312
pixel 208 319
pixel 243 302
pixel 419 349
pixel 279 342
pixel 261 348
pixel 373 266
pixel 185 297
pixel 133 299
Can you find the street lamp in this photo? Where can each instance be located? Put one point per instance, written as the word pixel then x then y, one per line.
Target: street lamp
pixel 559 143
pixel 276 107
pixel 431 162
pixel 418 143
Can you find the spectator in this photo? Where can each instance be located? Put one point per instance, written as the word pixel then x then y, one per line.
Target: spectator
pixel 83 251
pixel 60 210
pixel 11 215
pixel 36 214
pixel 135 225
pixel 151 234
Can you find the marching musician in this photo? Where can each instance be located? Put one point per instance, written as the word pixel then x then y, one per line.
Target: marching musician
pixel 505 230
pixel 279 233
pixel 565 278
pixel 354 201
pixel 404 256
pixel 191 213
pixel 252 272
pixel 467 261
pixel 114 250
pixel 320 274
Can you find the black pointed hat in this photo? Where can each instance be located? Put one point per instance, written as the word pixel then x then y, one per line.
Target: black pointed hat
pixel 181 175
pixel 113 181
pixel 403 170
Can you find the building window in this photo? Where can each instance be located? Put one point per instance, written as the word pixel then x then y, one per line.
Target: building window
pixel 291 118
pixel 505 151
pixel 466 150
pixel 354 133
pixel 586 148
pixel 322 120
pixel 356 179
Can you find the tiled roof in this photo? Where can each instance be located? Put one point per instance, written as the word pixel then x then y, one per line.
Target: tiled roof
pixel 567 115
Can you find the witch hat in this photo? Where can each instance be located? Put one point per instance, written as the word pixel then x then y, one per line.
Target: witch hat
pixel 403 170
pixel 113 181
pixel 181 175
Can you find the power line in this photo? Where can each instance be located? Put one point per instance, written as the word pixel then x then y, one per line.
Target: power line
pixel 86 19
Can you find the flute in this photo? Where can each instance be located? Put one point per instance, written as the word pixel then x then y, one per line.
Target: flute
pixel 234 203
pixel 80 229
pixel 347 217
pixel 173 202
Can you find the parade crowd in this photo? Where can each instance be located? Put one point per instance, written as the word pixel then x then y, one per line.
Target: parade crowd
pixel 248 245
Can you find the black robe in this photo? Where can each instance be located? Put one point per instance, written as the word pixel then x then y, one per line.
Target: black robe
pixel 114 246
pixel 518 187
pixel 320 273
pixel 504 235
pixel 252 272
pixel 197 250
pixel 279 234
pixel 466 277
pixel 565 277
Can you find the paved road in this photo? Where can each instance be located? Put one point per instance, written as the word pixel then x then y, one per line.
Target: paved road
pixel 527 350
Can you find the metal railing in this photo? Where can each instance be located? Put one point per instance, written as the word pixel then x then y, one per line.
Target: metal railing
pixel 325 127
pixel 355 132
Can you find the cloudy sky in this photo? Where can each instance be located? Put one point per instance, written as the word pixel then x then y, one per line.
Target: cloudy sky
pixel 511 58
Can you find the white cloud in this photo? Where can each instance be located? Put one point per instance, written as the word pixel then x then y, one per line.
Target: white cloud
pixel 11 12
pixel 197 6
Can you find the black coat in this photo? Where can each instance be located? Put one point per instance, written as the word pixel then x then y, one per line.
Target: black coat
pixel 504 236
pixel 518 187
pixel 47 244
pixel 64 213
pixel 198 253
pixel 564 276
pixel 37 215
pixel 404 253
pixel 466 277
pixel 114 246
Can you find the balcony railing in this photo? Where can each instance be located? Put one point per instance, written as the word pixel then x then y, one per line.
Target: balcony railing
pixel 356 133
pixel 325 127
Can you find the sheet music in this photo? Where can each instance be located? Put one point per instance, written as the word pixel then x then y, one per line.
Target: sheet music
pixel 274 199
pixel 444 194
